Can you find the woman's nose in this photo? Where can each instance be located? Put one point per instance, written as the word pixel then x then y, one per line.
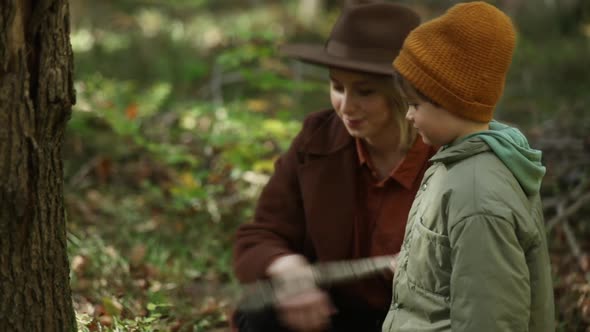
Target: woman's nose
pixel 410 113
pixel 347 105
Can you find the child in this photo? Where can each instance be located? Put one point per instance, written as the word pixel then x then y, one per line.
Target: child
pixel 474 256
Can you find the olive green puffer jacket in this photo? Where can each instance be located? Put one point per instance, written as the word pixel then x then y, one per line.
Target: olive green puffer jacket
pixel 475 255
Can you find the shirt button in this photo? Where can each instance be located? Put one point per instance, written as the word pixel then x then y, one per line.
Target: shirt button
pixel 397 306
pixel 424 186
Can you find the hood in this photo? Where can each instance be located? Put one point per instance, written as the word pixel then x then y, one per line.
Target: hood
pixel 509 145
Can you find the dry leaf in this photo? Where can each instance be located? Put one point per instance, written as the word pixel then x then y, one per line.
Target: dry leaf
pixel 112 306
pixel 137 254
pixel 78 264
pixel 131 111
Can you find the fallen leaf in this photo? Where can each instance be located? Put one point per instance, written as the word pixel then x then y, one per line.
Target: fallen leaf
pixel 137 254
pixel 112 306
pixel 104 168
pixel 106 320
pixel 78 264
pixel 131 111
pixel 257 105
pixel 585 263
pixel 210 306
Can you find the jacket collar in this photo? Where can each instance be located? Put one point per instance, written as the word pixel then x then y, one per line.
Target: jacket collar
pixel 324 142
pixel 336 137
pixel 459 150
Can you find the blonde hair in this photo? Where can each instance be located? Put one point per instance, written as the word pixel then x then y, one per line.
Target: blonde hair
pixel 399 106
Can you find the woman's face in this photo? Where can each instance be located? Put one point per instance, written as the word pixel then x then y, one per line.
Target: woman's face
pixel 359 101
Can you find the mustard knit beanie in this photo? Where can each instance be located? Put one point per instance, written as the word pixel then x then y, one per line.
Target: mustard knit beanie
pixel 460 59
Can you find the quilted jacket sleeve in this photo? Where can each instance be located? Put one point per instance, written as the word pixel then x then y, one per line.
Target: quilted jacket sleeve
pixel 490 288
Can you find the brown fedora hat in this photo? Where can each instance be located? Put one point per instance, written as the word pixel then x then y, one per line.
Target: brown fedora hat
pixel 366 37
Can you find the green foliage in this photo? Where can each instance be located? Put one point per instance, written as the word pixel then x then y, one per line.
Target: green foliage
pixel 547 78
pixel 183 108
pixel 159 172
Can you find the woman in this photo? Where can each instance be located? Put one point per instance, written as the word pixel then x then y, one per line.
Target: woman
pixel 344 188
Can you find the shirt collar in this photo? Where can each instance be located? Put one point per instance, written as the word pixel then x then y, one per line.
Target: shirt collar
pixel 411 166
pixel 362 153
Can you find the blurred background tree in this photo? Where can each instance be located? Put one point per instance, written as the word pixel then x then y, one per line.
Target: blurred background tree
pixel 183 106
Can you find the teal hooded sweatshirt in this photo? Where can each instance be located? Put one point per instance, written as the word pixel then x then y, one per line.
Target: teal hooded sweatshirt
pixel 512 148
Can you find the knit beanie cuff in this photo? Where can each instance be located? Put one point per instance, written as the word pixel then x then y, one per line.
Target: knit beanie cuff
pixel 438 93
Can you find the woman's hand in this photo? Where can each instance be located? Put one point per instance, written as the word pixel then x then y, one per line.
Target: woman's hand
pixel 309 310
pixel 301 305
pixel 393 264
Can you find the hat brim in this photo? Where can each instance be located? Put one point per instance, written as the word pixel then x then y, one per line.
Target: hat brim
pixel 316 54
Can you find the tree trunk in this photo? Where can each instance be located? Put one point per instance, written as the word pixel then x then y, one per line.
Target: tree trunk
pixel 36 96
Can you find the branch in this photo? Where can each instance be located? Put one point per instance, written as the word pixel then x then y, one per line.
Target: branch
pixel 83 171
pixel 571 210
pixel 574 246
pixel 555 201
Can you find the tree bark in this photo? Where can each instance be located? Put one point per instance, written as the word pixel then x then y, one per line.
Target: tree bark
pixel 36 97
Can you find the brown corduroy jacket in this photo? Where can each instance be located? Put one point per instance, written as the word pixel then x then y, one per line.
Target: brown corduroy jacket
pixel 309 204
pixel 315 158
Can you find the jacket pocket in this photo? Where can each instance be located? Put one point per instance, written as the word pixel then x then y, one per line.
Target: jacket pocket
pixel 429 260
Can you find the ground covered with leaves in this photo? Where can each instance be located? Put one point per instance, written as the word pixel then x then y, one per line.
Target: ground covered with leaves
pixel 182 108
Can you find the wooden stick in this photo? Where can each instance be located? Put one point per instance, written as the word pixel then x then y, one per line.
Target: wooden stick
pixel 261 294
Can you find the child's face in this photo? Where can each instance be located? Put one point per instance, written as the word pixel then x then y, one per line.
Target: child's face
pixel 435 125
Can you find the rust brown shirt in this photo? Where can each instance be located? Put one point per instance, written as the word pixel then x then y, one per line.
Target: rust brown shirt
pixel 382 211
